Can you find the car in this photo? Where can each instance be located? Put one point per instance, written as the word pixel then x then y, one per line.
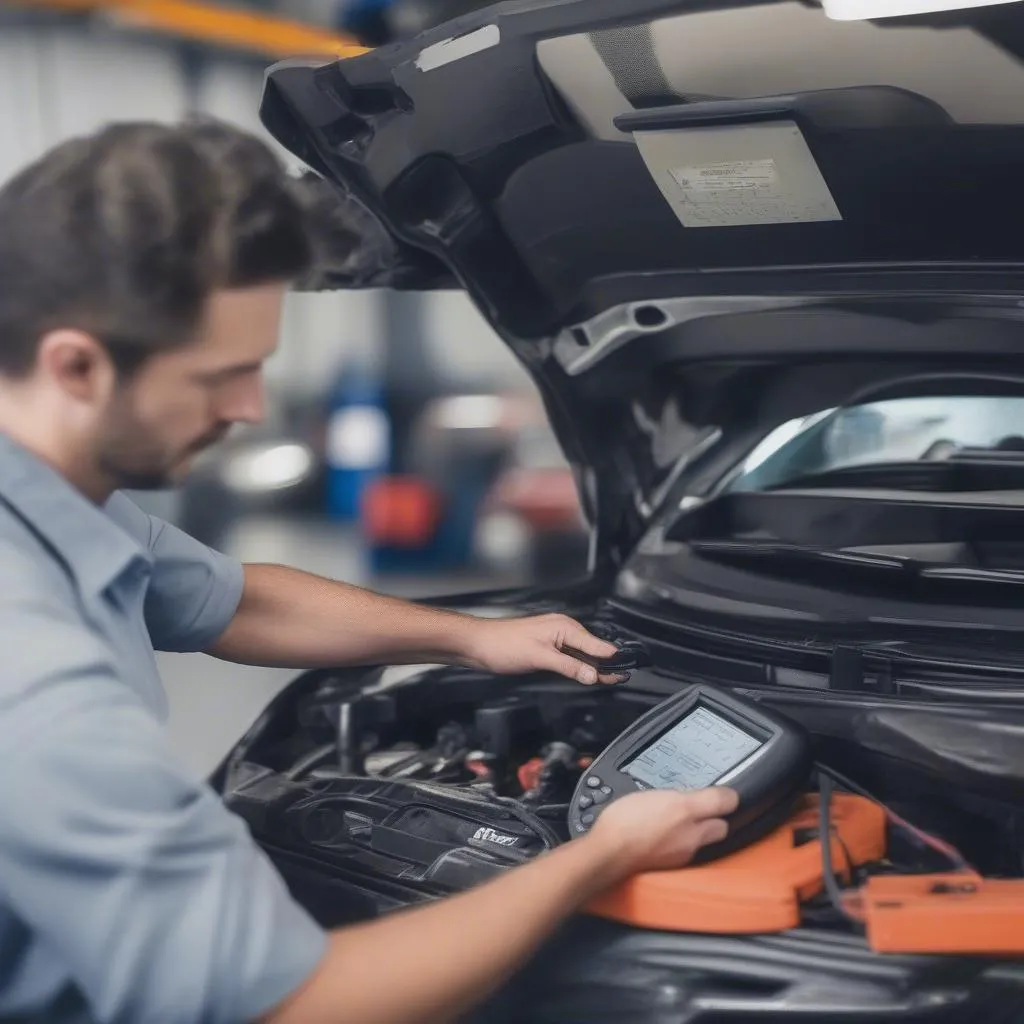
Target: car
pixel 766 268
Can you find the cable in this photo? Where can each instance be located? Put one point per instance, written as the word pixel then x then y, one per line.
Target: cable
pixel 848 903
pixel 951 853
pixel 832 887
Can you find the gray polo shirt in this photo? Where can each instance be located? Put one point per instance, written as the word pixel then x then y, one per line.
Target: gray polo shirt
pixel 127 891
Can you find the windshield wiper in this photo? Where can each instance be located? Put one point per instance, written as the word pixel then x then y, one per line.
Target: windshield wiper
pixel 832 566
pixel 971 471
pixel 776 551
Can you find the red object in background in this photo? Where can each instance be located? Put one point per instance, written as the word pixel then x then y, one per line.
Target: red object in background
pixel 401 512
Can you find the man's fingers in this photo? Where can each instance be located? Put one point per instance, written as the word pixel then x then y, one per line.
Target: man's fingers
pixel 712 831
pixel 576 636
pixel 580 639
pixel 714 802
pixel 566 665
pixel 573 669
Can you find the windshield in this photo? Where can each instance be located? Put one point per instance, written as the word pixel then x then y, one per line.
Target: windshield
pixel 896 430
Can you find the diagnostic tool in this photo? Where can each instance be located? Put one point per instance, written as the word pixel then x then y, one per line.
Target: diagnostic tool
pixel 704 737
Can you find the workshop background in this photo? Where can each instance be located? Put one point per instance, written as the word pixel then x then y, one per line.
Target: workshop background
pixel 405 448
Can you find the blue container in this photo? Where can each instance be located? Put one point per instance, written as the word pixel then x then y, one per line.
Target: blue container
pixel 358 446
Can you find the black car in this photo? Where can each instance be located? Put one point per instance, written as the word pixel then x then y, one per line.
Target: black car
pixel 767 270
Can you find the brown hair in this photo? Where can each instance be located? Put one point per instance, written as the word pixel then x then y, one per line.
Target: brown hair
pixel 126 233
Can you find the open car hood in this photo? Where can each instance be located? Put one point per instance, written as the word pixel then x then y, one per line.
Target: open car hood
pixel 682 215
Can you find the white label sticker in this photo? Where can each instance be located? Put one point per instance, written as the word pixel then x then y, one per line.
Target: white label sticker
pixel 746 174
pixel 738 176
pixel 458 48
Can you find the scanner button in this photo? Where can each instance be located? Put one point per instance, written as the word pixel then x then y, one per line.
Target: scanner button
pixel 594 782
pixel 600 796
pixel 587 819
pixel 585 801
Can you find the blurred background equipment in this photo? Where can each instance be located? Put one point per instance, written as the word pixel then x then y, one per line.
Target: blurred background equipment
pixel 376 22
pixel 493 492
pixel 357 441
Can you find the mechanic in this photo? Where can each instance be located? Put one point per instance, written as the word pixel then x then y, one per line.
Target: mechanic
pixel 142 274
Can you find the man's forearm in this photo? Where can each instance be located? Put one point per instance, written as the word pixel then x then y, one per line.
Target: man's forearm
pixel 292 619
pixel 433 963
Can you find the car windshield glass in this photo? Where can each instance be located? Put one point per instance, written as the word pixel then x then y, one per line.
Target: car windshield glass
pixel 915 430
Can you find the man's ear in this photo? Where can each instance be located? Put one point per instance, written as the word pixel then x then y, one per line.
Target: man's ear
pixel 77 364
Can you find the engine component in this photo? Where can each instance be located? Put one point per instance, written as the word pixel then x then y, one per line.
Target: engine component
pixel 552 777
pixel 503 727
pixel 347 751
pixel 395 762
pixel 481 764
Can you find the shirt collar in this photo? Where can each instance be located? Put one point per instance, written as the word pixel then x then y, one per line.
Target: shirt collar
pixel 94 548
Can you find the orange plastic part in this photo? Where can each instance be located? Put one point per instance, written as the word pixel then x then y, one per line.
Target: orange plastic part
pixel 215 24
pixel 757 889
pixel 947 913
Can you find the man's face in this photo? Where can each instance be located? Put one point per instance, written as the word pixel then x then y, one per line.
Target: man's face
pixel 181 402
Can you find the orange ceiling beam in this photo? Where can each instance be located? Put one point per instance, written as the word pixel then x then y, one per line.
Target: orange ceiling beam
pixel 267 35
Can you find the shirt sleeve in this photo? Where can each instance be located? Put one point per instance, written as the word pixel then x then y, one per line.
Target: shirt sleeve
pixel 194 591
pixel 150 892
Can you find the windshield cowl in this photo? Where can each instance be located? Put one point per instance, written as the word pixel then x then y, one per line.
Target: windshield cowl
pixel 893 660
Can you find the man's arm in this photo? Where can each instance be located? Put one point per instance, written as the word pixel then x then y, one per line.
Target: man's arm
pixel 288 618
pixel 434 963
pixel 201 600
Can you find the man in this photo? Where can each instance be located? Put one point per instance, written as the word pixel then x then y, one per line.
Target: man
pixel 142 272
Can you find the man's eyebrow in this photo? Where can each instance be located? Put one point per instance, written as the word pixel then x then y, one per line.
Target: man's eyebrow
pixel 229 371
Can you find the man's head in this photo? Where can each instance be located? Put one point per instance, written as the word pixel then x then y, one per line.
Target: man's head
pixel 142 272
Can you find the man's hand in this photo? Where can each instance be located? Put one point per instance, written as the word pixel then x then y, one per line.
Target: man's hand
pixel 507 646
pixel 661 828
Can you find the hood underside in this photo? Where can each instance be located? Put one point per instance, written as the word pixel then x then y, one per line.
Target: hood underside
pixel 644 196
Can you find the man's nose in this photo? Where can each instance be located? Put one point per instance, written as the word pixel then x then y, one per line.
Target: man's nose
pixel 247 403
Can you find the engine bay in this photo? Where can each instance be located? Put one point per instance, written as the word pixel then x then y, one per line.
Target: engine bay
pixel 372 794
pixel 430 784
pixel 524 740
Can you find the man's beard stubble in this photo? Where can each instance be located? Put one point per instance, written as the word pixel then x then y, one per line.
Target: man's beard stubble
pixel 133 458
